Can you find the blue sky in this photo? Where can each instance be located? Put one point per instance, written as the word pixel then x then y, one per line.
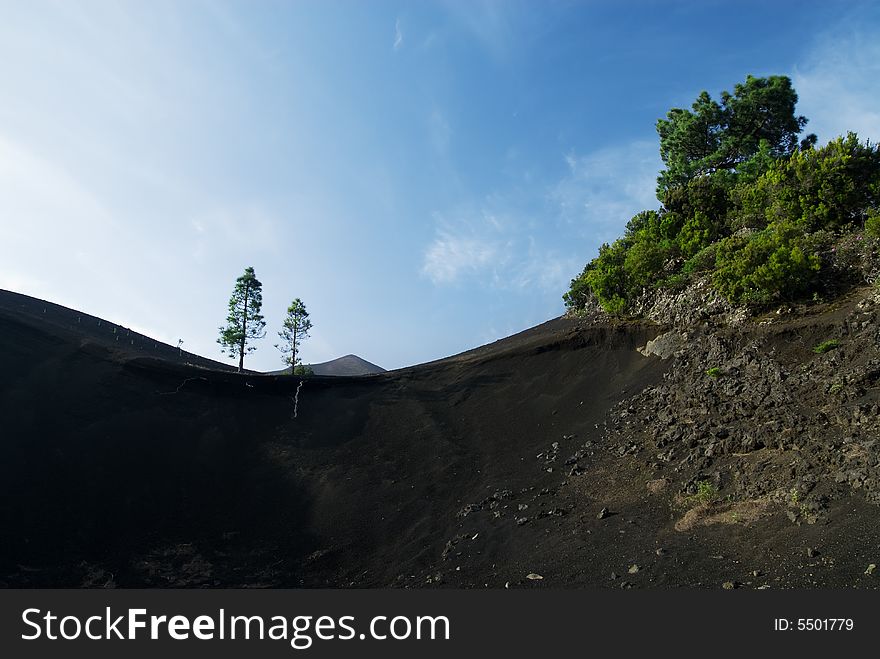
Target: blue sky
pixel 426 176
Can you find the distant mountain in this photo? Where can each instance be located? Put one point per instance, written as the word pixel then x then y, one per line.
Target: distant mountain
pixel 348 365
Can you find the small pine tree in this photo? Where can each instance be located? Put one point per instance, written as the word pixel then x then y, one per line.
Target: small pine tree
pixel 294 331
pixel 244 322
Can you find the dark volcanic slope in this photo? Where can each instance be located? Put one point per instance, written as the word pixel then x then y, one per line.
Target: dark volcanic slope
pixel 91 329
pixel 472 471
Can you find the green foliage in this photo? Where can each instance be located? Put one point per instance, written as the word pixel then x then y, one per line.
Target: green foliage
pixel 825 346
pixel 713 372
pixel 767 266
pixel 674 282
pixel 244 323
pixel 709 194
pixel 742 202
pixel 294 330
pixel 712 136
pixel 697 233
pixel 872 224
pixel 579 292
pixel 303 370
pixel 825 188
pixel 707 492
pixel 606 277
pixel 702 261
pixel 642 263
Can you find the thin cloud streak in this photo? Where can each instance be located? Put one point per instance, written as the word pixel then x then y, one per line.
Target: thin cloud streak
pixel 604 189
pixel 398 36
pixel 838 84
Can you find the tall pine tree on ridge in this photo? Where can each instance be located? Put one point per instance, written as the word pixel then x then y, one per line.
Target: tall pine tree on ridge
pixel 244 322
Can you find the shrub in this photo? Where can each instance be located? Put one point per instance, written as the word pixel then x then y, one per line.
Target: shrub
pixel 708 194
pixel 767 266
pixel 825 188
pixel 872 224
pixel 794 204
pixel 607 277
pixel 674 282
pixel 825 346
pixel 702 261
pixel 706 493
pixel 698 232
pixel 643 261
pixel 579 293
pixel 714 372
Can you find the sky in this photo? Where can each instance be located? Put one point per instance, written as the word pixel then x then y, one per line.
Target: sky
pixel 426 176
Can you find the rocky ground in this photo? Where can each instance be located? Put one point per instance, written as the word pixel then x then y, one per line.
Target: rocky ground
pixel 679 452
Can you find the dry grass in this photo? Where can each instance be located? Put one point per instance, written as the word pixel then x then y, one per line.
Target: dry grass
pixel 733 512
pixel 657 485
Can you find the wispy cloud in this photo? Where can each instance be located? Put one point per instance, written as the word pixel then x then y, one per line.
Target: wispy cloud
pixel 493 23
pixel 496 249
pixel 538 238
pixel 838 83
pixel 439 131
pixel 546 268
pixel 398 35
pixel 464 247
pixel 604 189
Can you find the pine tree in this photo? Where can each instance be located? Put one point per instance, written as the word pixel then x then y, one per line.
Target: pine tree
pixel 294 331
pixel 244 322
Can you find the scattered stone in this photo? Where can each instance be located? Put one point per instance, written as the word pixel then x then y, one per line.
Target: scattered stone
pixel 728 585
pixel 664 346
pixel 522 520
pixel 871 569
pixel 812 552
pixel 613 576
pixel 657 485
pixel 534 577
pixel 633 569
pixel 660 551
pixel 604 513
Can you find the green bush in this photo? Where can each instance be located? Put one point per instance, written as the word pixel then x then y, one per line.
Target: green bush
pixel 825 188
pixel 795 202
pixel 607 277
pixel 698 232
pixel 644 260
pixel 579 292
pixel 825 346
pixel 713 372
pixel 767 266
pixel 706 493
pixel 872 224
pixel 702 261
